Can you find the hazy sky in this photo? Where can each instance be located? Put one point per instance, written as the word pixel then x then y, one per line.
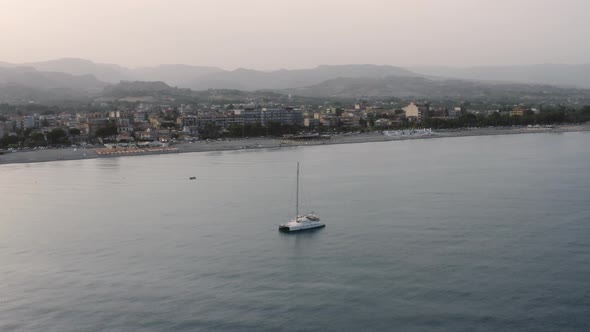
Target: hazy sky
pixel 272 34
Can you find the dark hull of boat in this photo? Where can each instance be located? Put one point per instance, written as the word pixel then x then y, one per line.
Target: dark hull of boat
pixel 288 230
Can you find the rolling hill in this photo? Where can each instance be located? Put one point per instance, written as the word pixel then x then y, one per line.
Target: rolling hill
pixel 104 72
pixel 246 79
pixel 203 78
pixel 552 74
pixel 419 87
pixel 21 84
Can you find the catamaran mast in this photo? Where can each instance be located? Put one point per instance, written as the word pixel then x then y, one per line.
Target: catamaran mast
pixel 297 196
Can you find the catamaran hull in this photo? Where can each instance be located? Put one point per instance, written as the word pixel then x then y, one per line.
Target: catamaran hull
pixel 291 229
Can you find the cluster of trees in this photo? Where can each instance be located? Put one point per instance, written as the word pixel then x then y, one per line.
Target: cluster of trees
pixel 109 131
pixel 32 138
pixel 57 136
pixel 499 119
pixel 496 119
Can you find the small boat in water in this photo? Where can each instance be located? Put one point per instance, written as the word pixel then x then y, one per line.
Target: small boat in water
pixel 303 222
pixel 192 178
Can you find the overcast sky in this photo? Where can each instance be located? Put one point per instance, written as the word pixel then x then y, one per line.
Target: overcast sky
pixel 272 34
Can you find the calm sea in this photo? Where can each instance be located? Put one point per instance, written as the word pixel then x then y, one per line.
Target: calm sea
pixel 458 234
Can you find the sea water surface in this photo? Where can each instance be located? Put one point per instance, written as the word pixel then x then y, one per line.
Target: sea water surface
pixel 456 234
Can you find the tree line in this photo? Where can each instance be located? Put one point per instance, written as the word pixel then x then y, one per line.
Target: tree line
pixel 498 119
pixel 504 119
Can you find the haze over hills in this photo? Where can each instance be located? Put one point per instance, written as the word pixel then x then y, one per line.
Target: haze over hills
pixel 160 91
pixel 203 77
pixel 78 79
pixel 47 80
pixel 111 73
pixel 25 83
pixel 354 88
pixel 553 74
pixel 421 87
pixel 6 65
pixel 246 79
pixel 173 74
pixel 105 72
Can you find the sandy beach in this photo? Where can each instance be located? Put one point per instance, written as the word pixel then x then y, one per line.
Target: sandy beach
pixel 262 143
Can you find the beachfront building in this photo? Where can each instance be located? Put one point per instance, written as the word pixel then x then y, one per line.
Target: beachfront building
pixel 518 111
pixel 231 118
pixel 456 112
pixel 211 117
pixel 28 122
pixel 416 111
pixel 188 121
pixel 382 122
pixel 328 120
pixel 150 134
pixel 350 119
pixel 46 121
pixel 249 116
pixel 124 126
pixel 286 115
pixel 311 122
pixel 194 123
pixel 189 124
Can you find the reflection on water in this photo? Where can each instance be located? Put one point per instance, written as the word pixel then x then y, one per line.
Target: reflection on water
pixel 301 239
pixel 108 163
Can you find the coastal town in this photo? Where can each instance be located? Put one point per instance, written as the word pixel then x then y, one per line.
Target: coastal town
pixel 157 125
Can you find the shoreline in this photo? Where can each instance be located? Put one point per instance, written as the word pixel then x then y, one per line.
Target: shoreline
pixel 263 143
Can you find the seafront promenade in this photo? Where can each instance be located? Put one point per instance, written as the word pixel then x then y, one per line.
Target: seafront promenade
pixel 264 143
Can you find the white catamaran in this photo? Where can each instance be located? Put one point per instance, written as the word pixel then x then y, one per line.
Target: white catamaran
pixel 303 222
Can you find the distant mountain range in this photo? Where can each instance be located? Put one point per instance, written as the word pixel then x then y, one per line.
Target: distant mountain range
pixel 246 79
pixel 202 77
pixel 82 79
pixel 105 72
pixel 551 74
pixel 420 87
pixel 111 73
pixel 21 84
pixel 160 91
